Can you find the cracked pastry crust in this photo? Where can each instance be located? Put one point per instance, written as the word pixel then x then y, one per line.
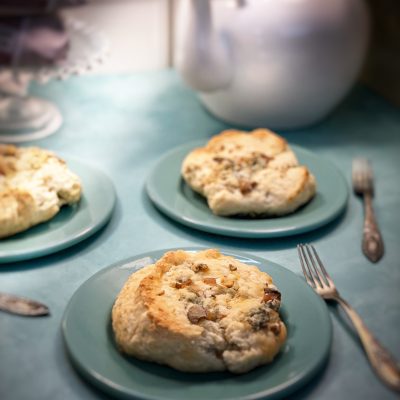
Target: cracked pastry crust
pixel 34 185
pixel 249 173
pixel 199 312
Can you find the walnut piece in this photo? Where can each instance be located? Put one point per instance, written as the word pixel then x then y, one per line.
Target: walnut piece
pixel 275 328
pixel 272 298
pixel 232 267
pixel 246 187
pixel 259 318
pixel 199 267
pixel 181 283
pixel 196 313
pixel 227 282
pixel 210 281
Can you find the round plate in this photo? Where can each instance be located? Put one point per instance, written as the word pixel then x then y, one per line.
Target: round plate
pixel 172 195
pixel 89 339
pixel 71 225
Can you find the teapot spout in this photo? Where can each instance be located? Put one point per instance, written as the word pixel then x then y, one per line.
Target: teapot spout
pixel 202 56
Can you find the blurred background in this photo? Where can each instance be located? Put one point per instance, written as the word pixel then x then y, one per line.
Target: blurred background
pixel 127 36
pixel 141 33
pixel 142 37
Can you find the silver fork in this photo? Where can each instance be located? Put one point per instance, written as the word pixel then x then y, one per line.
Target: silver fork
pixel 318 278
pixel 363 185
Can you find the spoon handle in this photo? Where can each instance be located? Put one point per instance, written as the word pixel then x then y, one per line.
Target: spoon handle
pixel 22 306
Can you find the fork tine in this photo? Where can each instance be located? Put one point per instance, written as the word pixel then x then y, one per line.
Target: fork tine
pixel 315 269
pixel 321 265
pixel 309 278
pixel 311 271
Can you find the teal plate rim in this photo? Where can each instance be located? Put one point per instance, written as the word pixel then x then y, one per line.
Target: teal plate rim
pixel 96 296
pixel 37 241
pixel 170 194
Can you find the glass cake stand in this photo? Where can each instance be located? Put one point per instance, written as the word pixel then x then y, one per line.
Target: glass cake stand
pixel 24 117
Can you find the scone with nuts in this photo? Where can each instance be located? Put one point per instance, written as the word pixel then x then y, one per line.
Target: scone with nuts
pixel 200 312
pixel 250 174
pixel 34 185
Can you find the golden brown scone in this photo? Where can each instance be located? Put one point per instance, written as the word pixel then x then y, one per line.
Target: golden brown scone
pixel 253 174
pixel 34 185
pixel 199 312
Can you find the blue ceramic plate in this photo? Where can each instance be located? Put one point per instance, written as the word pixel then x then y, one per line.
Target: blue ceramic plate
pixel 173 197
pixel 71 225
pixel 88 336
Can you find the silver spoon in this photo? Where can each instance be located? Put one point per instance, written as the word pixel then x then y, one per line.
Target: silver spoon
pixel 363 184
pixel 22 306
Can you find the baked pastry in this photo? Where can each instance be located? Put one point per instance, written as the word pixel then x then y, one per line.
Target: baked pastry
pixel 199 312
pixel 34 185
pixel 249 174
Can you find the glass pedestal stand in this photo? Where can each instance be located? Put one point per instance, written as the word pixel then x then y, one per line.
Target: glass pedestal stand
pixel 24 117
pixel 27 118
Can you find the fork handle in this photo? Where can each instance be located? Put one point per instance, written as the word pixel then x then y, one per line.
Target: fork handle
pixel 381 360
pixel 372 243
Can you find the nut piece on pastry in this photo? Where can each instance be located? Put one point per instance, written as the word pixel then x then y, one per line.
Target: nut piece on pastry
pixel 250 174
pixel 199 312
pixel 34 185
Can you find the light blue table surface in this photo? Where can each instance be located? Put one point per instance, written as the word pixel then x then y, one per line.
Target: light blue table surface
pixel 122 124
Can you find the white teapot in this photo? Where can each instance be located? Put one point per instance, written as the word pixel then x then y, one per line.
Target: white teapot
pixel 275 63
